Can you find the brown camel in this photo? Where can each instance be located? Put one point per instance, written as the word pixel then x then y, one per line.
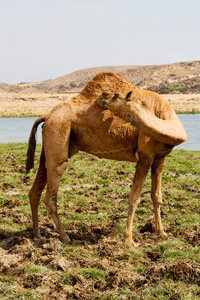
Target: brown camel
pixel 83 124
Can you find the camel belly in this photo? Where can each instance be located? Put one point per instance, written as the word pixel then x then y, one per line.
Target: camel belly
pixel 104 146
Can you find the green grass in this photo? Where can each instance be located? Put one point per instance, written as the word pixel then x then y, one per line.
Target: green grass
pixel 193 112
pixel 93 206
pixel 167 289
pixel 173 249
pixel 8 290
pixel 32 268
pixel 93 273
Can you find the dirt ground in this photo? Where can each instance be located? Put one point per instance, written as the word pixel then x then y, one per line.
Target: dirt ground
pixel 97 265
pixel 34 104
pixel 95 250
pixel 45 269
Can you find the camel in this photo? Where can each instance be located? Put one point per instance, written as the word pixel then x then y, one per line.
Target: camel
pixel 84 123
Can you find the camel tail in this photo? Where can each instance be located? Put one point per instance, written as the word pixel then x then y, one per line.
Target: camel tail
pixel 32 145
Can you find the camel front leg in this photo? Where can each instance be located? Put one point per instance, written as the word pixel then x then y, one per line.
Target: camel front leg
pixel 142 168
pixel 156 192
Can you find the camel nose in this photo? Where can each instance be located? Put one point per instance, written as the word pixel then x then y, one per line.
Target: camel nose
pixel 101 101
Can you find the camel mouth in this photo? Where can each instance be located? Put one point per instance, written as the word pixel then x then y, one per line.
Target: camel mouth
pixel 101 102
pixel 107 98
pixel 103 98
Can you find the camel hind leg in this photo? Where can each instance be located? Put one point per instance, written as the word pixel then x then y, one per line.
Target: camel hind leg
pixel 36 191
pixel 51 201
pixel 56 153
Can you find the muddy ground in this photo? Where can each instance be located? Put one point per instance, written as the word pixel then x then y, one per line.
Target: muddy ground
pixel 97 265
pixel 99 250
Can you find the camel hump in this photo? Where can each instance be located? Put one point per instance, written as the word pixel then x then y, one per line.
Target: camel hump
pixel 106 82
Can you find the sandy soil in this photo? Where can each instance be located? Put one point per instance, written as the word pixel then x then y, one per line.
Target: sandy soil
pixel 184 102
pixel 21 104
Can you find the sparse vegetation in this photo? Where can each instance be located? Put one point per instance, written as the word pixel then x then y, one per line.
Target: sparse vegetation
pixel 193 111
pixel 178 87
pixel 72 84
pixel 32 268
pixel 191 63
pixel 93 205
pixel 93 273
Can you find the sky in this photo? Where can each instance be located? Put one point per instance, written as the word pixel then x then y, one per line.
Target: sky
pixel 46 39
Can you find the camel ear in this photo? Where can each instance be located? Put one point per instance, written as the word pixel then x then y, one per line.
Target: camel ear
pixel 115 97
pixel 128 96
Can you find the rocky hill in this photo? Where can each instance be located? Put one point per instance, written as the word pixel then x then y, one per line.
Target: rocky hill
pixel 173 78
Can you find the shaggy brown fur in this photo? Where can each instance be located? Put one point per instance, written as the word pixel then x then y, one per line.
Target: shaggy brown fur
pixel 80 124
pixel 149 112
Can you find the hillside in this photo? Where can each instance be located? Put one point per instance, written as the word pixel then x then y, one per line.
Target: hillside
pixel 173 78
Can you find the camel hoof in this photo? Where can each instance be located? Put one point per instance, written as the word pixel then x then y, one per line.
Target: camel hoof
pixel 65 240
pixel 36 234
pixel 162 233
pixel 130 242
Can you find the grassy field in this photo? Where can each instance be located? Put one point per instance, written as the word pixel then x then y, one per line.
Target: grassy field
pixel 93 205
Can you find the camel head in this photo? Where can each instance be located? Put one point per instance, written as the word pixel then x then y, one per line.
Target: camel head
pixel 112 101
pixel 117 103
pixel 104 98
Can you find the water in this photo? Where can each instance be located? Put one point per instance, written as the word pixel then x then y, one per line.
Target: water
pixel 191 123
pixel 18 129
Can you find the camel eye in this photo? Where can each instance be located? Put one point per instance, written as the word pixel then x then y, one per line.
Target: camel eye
pixel 105 95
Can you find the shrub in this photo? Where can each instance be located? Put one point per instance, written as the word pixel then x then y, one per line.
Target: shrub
pixel 178 87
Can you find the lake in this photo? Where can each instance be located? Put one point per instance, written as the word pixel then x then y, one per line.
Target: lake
pixel 14 130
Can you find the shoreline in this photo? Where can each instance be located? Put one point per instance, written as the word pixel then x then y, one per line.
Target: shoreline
pixel 37 104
